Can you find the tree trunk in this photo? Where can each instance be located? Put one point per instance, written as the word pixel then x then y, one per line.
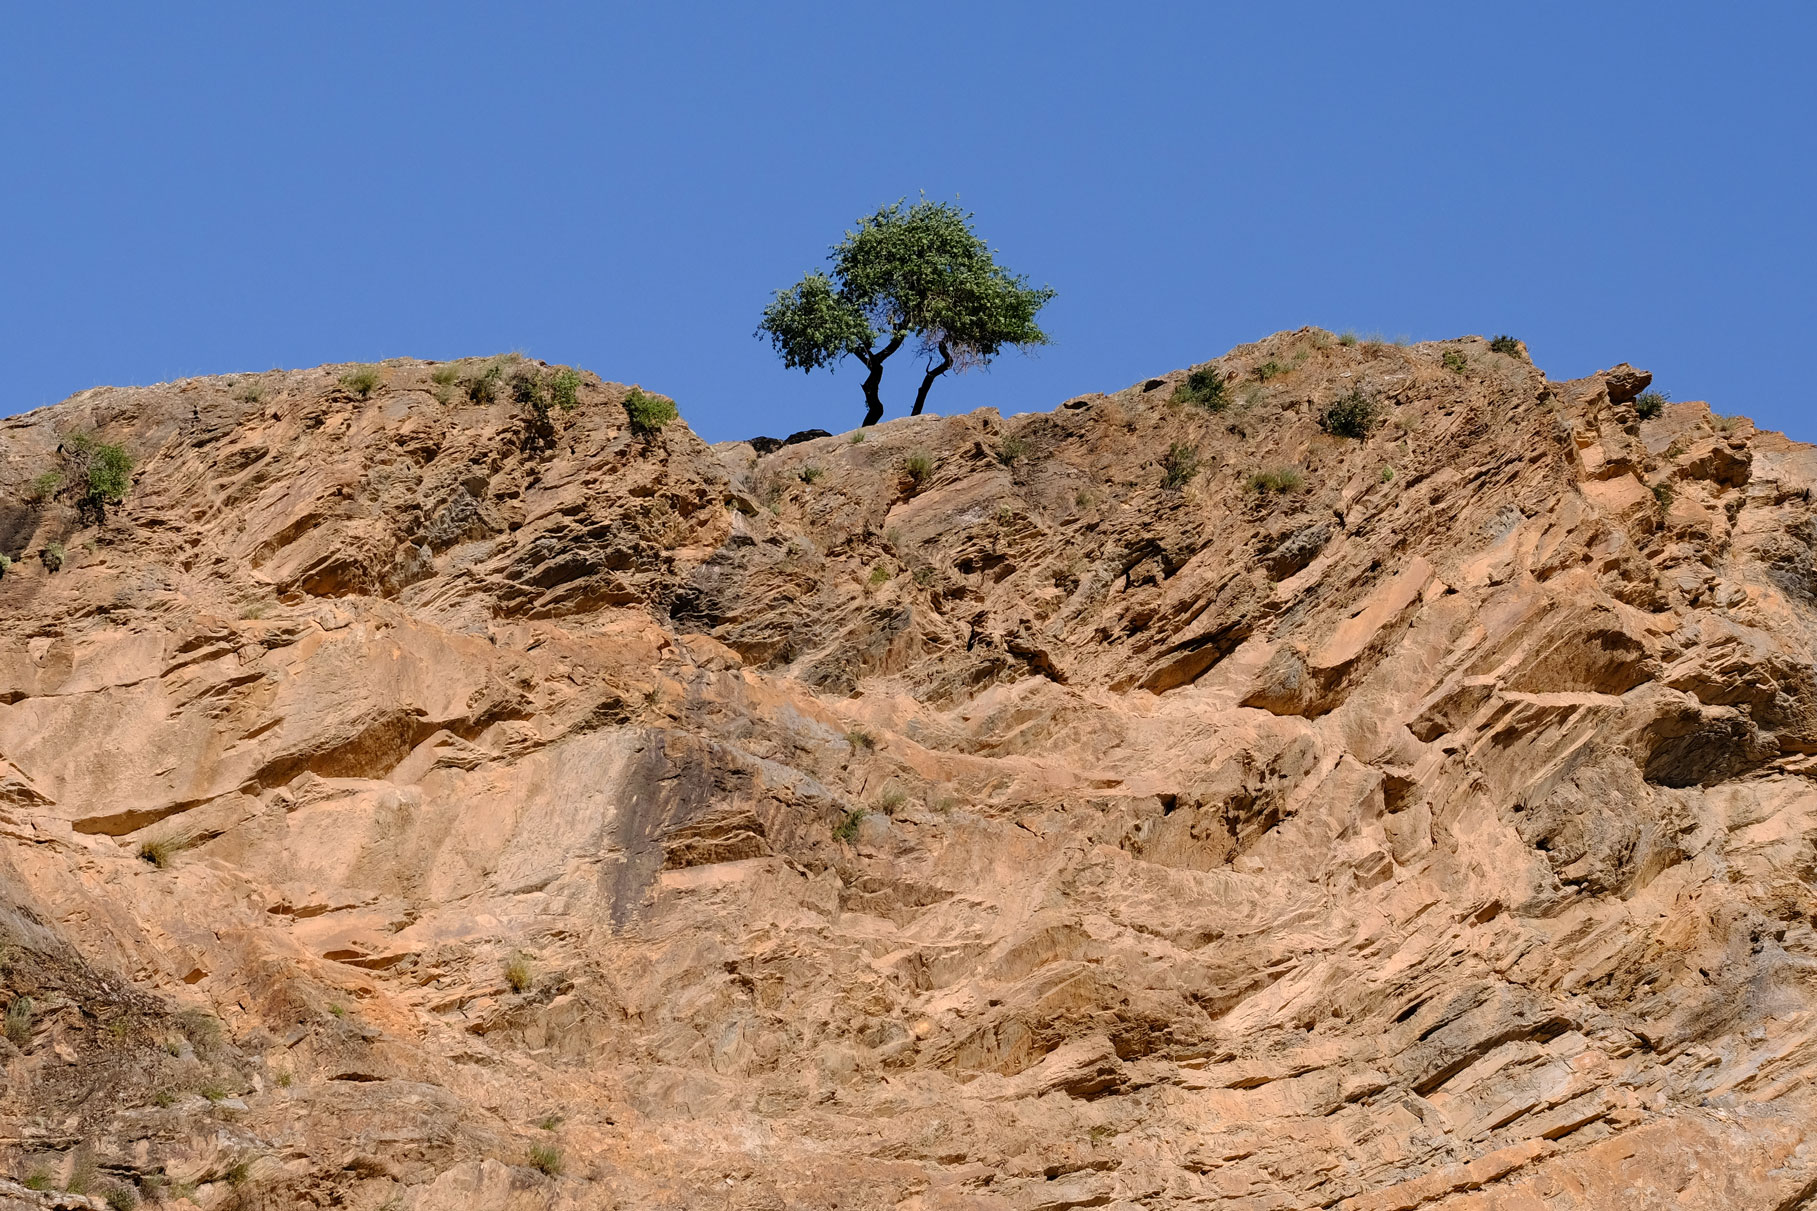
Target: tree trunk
pixel 927 380
pixel 873 399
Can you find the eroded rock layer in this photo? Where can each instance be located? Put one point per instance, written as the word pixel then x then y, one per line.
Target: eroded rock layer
pixel 400 813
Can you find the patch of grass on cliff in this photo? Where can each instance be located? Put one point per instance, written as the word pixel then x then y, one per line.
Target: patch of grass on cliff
pixel 19 1016
pixel 51 556
pixel 121 1197
pixel 1277 479
pixel 518 973
pixel 445 374
pixel 162 851
pixel 859 738
pixel 1180 465
pixel 1650 404
pixel 918 466
pixel 1205 388
pixel 1454 361
pixel 1505 344
pixel 1011 450
pixel 847 828
pixel 891 800
pixel 362 380
pixel 546 1159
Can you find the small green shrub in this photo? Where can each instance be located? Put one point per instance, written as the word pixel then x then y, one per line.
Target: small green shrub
pixel 1662 492
pixel 847 828
pixel 159 851
pixel 1180 465
pixel 564 388
pixel 518 974
pixel 527 389
pixel 1277 479
pixel 238 1173
pixel 122 1197
pixel 1505 344
pixel 1347 339
pixel 1350 415
pixel 19 1021
pixel 1387 475
pixel 39 1180
pixel 337 1009
pixel 213 1092
pixel 549 1122
pixel 1650 404
pixel 445 374
pixel 361 380
pixel 890 801
pixel 810 474
pixel 546 1159
pixel 648 413
pixel 1455 361
pixel 44 487
pixel 924 576
pixel 251 393
pixel 100 473
pixel 51 556
pixel 859 738
pixel 1724 424
pixel 164 1099
pixel 482 388
pixel 1269 369
pixel 285 1078
pixel 918 466
pixel 1011 450
pixel 858 438
pixel 879 574
pixel 1206 388
pixel 6 565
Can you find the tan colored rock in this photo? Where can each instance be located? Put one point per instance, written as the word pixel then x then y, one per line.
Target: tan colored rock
pixel 395 816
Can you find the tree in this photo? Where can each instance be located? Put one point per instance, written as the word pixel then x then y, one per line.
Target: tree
pixel 906 272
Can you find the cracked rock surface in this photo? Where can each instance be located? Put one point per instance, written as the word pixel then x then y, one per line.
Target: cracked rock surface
pixel 398 814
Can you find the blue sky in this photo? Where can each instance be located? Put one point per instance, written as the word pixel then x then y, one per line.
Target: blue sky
pixel 213 188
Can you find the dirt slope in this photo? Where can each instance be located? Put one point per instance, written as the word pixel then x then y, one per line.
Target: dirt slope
pixel 955 818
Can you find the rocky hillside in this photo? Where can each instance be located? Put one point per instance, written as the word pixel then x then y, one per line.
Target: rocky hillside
pixel 1141 804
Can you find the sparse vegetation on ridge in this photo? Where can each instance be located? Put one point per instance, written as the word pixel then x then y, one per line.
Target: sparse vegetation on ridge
pixel 648 413
pixel 1650 404
pixel 362 380
pixel 1505 344
pixel 1204 387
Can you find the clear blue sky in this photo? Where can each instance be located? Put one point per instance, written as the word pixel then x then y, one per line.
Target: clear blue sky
pixel 209 188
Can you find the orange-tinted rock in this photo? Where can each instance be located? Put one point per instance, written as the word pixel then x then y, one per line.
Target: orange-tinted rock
pixel 382 800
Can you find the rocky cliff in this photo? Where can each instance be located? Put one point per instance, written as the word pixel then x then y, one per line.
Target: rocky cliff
pixel 1135 805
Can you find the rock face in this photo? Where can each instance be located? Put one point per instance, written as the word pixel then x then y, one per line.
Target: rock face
pixel 395 816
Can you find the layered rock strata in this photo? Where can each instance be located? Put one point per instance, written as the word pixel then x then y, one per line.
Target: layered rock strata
pixel 401 814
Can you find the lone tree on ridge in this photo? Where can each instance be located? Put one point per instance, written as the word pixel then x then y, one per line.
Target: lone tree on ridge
pixel 907 271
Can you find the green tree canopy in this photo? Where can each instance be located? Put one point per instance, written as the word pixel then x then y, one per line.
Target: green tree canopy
pixel 908 272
